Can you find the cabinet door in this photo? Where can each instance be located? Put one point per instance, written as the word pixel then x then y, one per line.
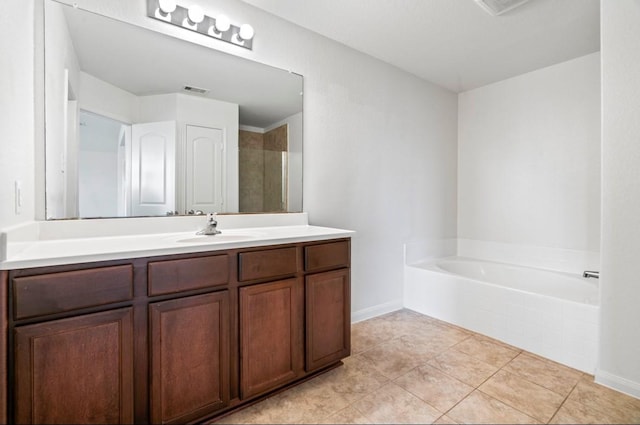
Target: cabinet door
pixel 328 314
pixel 189 357
pixel 271 335
pixel 77 370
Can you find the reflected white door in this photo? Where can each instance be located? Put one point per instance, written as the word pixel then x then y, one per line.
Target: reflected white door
pixel 153 165
pixel 205 169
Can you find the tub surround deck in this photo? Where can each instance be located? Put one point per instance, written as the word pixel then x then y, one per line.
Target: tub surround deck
pixel 566 286
pixel 556 327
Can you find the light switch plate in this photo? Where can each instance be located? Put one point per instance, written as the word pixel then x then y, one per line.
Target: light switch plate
pixel 18 196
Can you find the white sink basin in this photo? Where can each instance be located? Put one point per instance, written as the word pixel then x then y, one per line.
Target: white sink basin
pixel 222 237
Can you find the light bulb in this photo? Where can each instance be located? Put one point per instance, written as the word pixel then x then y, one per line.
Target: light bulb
pixel 246 32
pixel 195 14
pixel 167 6
pixel 222 23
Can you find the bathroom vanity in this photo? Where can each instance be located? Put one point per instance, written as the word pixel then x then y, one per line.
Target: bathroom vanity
pixel 168 333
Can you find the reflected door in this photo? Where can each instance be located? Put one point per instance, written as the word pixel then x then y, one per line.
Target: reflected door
pixel 205 165
pixel 153 159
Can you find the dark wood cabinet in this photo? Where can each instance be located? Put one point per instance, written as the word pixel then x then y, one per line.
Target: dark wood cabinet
pixel 189 357
pixel 268 263
pixel 51 293
pixel 173 276
pixel 271 335
pixel 328 318
pixel 75 370
pixel 4 337
pixel 170 339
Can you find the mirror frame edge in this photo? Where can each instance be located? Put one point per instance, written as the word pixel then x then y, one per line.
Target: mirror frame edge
pixel 40 201
pixel 40 187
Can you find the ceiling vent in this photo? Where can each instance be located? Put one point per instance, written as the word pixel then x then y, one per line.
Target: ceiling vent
pixel 498 7
pixel 193 89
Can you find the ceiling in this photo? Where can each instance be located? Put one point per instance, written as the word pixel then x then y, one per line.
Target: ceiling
pixel 453 43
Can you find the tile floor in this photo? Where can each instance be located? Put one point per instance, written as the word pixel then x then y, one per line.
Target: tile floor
pixel 409 368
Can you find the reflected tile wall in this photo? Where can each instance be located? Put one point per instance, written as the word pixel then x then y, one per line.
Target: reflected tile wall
pixel 251 171
pixel 263 170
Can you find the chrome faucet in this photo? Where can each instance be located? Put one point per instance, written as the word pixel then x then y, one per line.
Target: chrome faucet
pixel 588 273
pixel 211 228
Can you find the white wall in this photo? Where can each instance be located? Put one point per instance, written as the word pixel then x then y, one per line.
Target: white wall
pixel 529 158
pixel 107 100
pixel 62 83
pixel 205 112
pixel 379 143
pixel 193 110
pixel 16 110
pixel 620 284
pixel 98 169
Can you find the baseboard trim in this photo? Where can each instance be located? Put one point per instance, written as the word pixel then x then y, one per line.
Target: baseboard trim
pixel 376 310
pixel 618 383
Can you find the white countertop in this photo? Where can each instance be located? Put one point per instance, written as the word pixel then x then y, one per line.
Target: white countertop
pixel 29 252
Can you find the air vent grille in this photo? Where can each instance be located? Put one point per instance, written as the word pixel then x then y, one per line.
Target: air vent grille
pixel 193 89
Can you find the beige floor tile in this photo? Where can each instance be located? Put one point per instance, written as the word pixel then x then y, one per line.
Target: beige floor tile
pixel 464 367
pixel 392 404
pixel 479 408
pixel 307 403
pixel 348 415
pixel 404 322
pixel 433 386
pixel 553 376
pixel 527 397
pixel 353 380
pixel 496 341
pixel 486 350
pixel 454 331
pixel 406 315
pixel 368 334
pixel 439 336
pixel 621 407
pixel 444 419
pixel 398 356
pixel 436 366
pixel 573 412
pixel 250 415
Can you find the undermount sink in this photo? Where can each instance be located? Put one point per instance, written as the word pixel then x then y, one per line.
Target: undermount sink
pixel 222 237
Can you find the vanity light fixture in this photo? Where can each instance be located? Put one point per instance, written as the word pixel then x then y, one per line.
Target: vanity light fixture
pixel 195 14
pixel 222 23
pixel 194 18
pixel 167 6
pixel 246 32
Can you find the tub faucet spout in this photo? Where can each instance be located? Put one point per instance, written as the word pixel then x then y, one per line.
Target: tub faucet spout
pixel 588 273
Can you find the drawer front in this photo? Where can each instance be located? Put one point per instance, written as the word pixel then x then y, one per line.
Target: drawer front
pixel 167 277
pixel 326 256
pixel 59 292
pixel 267 263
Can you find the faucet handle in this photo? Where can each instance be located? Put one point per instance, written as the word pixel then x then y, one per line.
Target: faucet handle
pixel 211 218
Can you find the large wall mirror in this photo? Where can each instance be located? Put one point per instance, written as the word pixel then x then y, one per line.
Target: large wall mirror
pixel 140 123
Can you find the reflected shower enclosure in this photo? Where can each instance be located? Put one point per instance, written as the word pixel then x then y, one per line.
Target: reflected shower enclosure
pixel 263 169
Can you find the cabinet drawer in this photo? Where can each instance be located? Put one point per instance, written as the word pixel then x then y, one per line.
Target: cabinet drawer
pixel 326 256
pixel 167 277
pixel 267 263
pixel 59 292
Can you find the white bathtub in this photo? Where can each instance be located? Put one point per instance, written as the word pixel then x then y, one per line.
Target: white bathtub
pixel 552 314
